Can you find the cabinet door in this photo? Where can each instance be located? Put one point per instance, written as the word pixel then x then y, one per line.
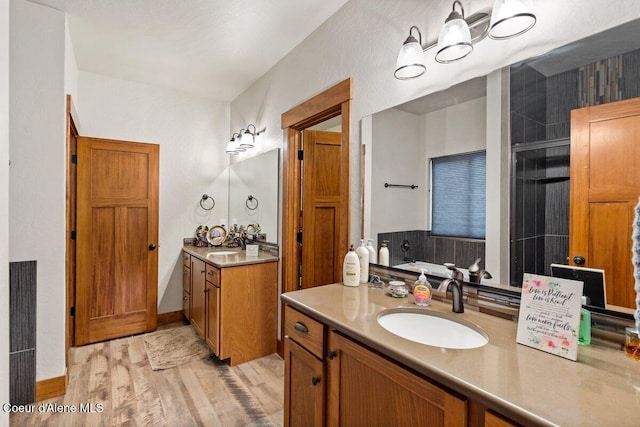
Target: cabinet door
pixel 368 389
pixel 304 387
pixel 186 289
pixel 197 295
pixel 212 330
pixel 494 420
pixel 186 304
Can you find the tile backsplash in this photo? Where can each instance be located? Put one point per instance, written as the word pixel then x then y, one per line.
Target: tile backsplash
pixel 425 247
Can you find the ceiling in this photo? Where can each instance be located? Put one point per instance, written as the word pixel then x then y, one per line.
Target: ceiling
pixel 211 48
pixel 463 92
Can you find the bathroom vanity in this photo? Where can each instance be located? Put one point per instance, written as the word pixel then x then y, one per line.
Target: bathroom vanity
pixel 343 368
pixel 231 301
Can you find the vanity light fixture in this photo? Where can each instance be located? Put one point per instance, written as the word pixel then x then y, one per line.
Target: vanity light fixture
pixel 410 62
pixel 511 18
pixel 508 18
pixel 233 146
pixel 243 140
pixel 454 41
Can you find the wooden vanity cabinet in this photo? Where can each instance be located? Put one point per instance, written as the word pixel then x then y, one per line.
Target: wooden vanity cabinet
pixel 234 308
pixel 198 282
pixel 366 388
pixel 186 285
pixel 304 370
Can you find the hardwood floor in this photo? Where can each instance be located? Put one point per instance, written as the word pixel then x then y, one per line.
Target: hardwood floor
pixel 116 379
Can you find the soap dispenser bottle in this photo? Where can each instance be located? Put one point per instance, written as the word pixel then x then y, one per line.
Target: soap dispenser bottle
pixel 383 257
pixel 351 269
pixel 422 290
pixel 373 256
pixel 584 331
pixel 363 259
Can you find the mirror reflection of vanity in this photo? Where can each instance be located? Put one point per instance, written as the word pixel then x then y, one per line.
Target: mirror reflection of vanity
pixel 532 178
pixel 253 194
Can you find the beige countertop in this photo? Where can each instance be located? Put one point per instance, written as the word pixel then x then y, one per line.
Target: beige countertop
pixel 602 388
pixel 239 257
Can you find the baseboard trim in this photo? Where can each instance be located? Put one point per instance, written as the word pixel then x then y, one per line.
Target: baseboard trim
pixel 52 387
pixel 171 317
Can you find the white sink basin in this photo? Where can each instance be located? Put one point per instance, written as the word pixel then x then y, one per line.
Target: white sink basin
pixel 221 253
pixel 432 328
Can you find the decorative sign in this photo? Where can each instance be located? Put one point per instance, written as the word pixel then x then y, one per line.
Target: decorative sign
pixel 252 250
pixel 550 314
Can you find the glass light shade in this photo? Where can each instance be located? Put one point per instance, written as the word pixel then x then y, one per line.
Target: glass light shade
pixel 231 149
pixel 410 63
pixel 454 41
pixel 511 18
pixel 247 140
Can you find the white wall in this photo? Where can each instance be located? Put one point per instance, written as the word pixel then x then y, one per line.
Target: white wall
pixel 398 156
pixel 70 68
pixel 362 40
pixel 192 133
pixel 4 209
pixel 37 173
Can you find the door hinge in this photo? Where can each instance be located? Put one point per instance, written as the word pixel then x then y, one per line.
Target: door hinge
pixel 74 159
pixel 299 237
pixel 72 311
pixel 300 155
pixel 73 235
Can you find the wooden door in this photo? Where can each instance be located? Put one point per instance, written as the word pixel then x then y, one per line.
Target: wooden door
pixel 304 389
pixel 322 208
pixel 117 234
pixel 366 389
pixel 333 102
pixel 605 186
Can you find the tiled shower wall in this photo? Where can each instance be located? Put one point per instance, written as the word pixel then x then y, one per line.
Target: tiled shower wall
pixel 434 249
pixel 541 111
pixel 22 336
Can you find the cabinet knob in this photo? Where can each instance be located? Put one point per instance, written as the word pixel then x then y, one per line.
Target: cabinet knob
pixel 152 246
pixel 186 272
pixel 301 327
pixel 184 298
pixel 210 273
pixel 332 355
pixel 315 380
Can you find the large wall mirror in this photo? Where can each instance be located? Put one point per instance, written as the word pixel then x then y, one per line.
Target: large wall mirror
pixel 253 194
pixel 538 95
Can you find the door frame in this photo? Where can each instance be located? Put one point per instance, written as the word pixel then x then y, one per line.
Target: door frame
pixel 332 102
pixel 72 125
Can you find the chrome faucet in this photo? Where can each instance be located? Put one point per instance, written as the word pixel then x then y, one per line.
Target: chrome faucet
pixel 240 239
pixel 476 274
pixel 454 284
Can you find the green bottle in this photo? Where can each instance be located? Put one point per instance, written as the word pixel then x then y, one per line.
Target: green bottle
pixel 584 332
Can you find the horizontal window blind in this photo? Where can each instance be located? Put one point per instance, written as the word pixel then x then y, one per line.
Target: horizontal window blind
pixel 458 196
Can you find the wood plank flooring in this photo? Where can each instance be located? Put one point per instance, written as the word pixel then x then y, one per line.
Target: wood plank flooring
pixel 116 375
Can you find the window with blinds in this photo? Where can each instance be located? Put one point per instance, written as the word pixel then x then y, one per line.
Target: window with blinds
pixel 458 195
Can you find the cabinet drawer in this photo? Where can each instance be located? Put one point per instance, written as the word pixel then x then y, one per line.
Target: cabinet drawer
pixel 213 275
pixel 304 330
pixel 186 259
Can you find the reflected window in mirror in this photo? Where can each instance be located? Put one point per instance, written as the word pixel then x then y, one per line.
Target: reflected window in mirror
pixel 458 195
